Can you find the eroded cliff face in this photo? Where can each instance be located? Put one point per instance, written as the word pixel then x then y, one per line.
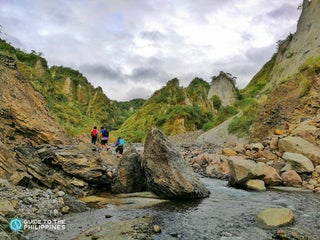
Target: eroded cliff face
pixel 298 47
pixel 24 117
pixel 292 91
pixel 223 86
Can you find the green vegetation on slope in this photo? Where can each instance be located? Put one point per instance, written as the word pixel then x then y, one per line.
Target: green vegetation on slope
pixel 173 109
pixel 259 80
pixel 76 104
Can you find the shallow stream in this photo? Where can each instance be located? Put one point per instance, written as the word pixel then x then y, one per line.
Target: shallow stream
pixel 228 214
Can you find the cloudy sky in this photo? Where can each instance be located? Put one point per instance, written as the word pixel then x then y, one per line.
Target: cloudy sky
pixel 133 47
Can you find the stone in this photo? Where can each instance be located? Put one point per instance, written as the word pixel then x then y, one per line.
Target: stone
pixel 272 177
pixel 65 210
pixel 168 175
pixel 256 185
pixel 218 166
pixel 6 208
pixel 291 178
pixel 307 132
pixel 228 152
pixel 299 145
pixel 241 170
pixel 256 146
pixel 274 143
pixel 60 193
pixel 297 162
pixel 156 228
pixel 278 132
pixel 129 176
pixel 78 182
pixel 274 217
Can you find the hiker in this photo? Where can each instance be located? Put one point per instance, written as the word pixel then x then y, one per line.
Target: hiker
pixel 104 138
pixel 119 145
pixel 94 135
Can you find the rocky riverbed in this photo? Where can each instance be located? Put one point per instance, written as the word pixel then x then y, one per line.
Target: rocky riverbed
pixel 288 160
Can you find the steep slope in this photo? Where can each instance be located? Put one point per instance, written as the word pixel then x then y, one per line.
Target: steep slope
pixel 69 95
pixel 173 109
pixel 24 116
pixel 288 85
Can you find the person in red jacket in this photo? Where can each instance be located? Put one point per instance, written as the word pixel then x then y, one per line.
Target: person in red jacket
pixel 94 135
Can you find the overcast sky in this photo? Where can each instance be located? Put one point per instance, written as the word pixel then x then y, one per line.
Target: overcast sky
pixel 133 47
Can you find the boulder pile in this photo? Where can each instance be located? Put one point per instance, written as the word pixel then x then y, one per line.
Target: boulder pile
pixel 290 158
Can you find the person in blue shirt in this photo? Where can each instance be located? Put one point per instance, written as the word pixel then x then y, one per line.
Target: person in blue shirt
pixel 104 138
pixel 119 145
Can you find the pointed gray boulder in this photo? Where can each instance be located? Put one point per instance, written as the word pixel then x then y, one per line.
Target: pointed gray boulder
pixel 129 176
pixel 167 173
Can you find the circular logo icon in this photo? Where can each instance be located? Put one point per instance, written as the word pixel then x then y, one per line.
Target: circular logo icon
pixel 15 224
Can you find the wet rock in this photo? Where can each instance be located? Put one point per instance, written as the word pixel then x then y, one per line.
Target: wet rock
pixel 241 170
pixel 256 185
pixel 129 176
pixel 297 162
pixel 274 217
pixel 138 228
pixel 167 173
pixel 156 228
pixel 74 204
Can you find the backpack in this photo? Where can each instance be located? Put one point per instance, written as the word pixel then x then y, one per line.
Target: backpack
pixel 105 133
pixel 121 142
pixel 94 132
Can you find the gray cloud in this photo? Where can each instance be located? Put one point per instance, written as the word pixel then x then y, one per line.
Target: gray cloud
pixel 103 71
pixel 131 48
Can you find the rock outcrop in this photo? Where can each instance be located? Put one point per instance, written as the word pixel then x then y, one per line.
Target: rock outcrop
pixel 24 120
pixel 223 86
pixel 23 111
pixel 167 173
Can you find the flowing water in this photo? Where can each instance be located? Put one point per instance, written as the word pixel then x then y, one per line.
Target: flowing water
pixel 228 214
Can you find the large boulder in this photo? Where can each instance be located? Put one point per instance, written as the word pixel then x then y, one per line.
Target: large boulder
pixel 297 162
pixel 241 170
pixel 301 146
pixel 291 178
pixel 129 176
pixel 167 173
